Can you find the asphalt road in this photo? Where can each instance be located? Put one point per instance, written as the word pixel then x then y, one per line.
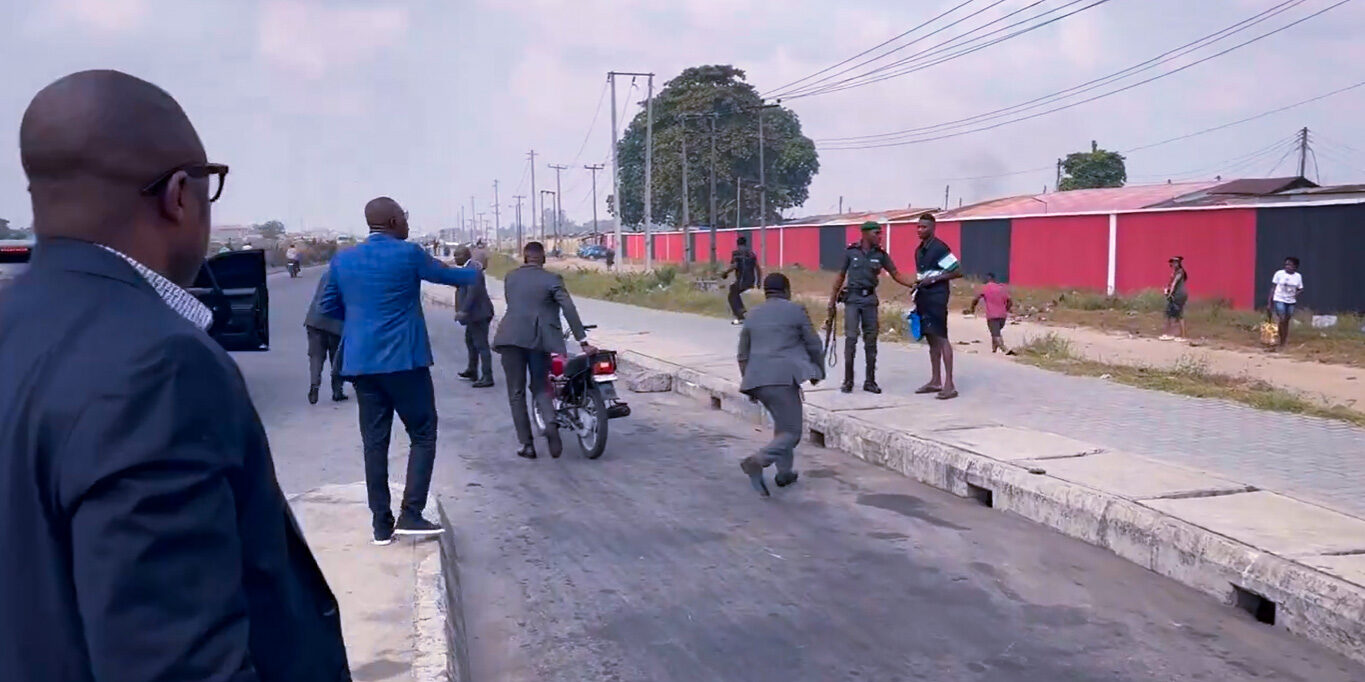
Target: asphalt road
pixel 657 562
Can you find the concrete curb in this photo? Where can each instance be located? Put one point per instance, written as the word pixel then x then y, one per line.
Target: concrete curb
pixel 456 642
pixel 1307 602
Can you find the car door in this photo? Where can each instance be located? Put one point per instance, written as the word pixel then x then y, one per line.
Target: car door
pixel 233 286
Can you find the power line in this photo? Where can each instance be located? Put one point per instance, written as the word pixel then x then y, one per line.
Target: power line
pixel 1271 172
pixel 929 56
pixel 596 111
pixel 771 93
pixel 1234 163
pixel 1314 153
pixel 1036 102
pixel 1090 99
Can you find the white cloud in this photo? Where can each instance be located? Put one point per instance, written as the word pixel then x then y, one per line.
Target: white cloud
pixel 108 16
pixel 310 38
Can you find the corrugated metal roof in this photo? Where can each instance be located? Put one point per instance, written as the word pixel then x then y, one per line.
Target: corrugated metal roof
pixel 1079 201
pixel 1261 186
pixel 896 215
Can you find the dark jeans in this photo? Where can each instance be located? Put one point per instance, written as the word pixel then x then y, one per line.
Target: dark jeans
pixel 737 299
pixel 784 404
pixel 322 346
pixel 410 394
pixel 520 365
pixel 476 343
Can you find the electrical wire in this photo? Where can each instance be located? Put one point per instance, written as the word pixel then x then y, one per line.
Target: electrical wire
pixel 602 97
pixel 818 83
pixel 1316 172
pixel 1228 164
pixel 929 57
pixel 1093 98
pixel 878 46
pixel 1093 84
pixel 1271 173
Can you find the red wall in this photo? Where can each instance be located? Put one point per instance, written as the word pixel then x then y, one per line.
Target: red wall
pixel 1219 249
pixel 801 245
pixel 1060 251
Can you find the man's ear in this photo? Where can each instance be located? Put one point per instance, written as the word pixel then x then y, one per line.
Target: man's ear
pixel 173 198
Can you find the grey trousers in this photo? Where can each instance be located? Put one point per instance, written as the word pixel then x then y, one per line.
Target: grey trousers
pixel 784 404
pixel 527 370
pixel 476 345
pixel 323 347
pixel 860 318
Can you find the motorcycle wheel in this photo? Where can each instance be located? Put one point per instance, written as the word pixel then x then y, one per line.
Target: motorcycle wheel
pixel 593 415
pixel 537 419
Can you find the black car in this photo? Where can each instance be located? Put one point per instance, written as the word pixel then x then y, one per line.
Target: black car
pixel 232 284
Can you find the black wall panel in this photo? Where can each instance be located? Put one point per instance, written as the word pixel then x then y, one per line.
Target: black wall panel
pixel 986 248
pixel 1330 243
pixel 832 246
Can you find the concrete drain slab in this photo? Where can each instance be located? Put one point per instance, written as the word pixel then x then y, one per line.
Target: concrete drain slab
pixel 1133 477
pixel 1273 522
pixel 1010 444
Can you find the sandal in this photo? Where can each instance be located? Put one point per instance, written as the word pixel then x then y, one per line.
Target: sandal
pixel 947 395
pixel 928 388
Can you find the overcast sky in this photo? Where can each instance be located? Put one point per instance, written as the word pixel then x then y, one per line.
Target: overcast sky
pixel 319 106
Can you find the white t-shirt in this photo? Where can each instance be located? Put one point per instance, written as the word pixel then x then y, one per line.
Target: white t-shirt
pixel 1287 286
pixel 292 254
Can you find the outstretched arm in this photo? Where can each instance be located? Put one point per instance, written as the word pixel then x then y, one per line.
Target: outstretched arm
pixel 432 270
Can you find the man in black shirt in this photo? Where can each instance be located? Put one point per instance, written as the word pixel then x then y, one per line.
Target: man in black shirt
pixel 935 266
pixel 864 261
pixel 744 263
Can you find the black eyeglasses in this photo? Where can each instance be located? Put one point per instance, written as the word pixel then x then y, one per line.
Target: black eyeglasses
pixel 194 170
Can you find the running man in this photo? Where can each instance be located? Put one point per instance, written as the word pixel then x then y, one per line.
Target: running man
pixel 998 307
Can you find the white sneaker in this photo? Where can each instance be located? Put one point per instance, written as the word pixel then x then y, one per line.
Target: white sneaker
pixel 1165 337
pixel 736 322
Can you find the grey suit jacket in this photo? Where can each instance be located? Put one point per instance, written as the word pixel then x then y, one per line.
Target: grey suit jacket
pixel 472 299
pixel 535 297
pixel 315 318
pixel 778 346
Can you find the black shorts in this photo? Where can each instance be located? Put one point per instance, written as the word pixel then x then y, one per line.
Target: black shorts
pixel 933 319
pixel 996 325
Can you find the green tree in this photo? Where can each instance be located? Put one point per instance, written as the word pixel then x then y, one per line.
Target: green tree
pixel 271 229
pixel 1095 168
pixel 7 232
pixel 685 104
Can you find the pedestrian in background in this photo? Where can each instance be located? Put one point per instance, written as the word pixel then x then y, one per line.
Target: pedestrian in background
pixel 528 333
pixel 744 263
pixel 998 307
pixel 324 344
pixel 935 266
pixel 147 536
pixel 376 288
pixel 1285 288
pixel 778 350
pixel 480 255
pixel 1176 298
pixel 856 286
pixel 474 310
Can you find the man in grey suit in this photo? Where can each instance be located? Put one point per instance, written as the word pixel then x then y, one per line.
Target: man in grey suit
pixel 529 332
pixel 324 340
pixel 778 349
pixel 474 310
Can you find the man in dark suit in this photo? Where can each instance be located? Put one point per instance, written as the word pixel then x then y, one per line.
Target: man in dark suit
pixel 146 534
pixel 528 334
pixel 474 310
pixel 324 342
pixel 376 288
pixel 778 349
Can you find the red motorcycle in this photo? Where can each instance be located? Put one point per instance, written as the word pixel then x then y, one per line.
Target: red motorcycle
pixel 583 390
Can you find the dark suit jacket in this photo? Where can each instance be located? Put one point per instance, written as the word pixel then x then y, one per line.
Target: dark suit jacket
pixel 144 534
pixel 315 318
pixel 472 299
pixel 778 346
pixel 535 296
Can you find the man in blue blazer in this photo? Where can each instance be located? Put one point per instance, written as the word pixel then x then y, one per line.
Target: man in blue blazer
pixel 376 289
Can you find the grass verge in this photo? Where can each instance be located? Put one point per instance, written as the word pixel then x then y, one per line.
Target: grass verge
pixel 1190 377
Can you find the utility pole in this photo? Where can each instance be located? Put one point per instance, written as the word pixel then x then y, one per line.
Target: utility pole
pixel 714 116
pixel 739 195
pixel 945 196
pixel 473 227
pixel 559 200
pixel 1058 185
pixel 594 169
pixel 762 189
pixel 1303 152
pixel 686 199
pixel 533 199
pixel 462 223
pixel 841 205
pixel 482 226
pixel 615 174
pixel 543 192
pixel 616 161
pixel 649 174
pixel 519 197
pixel 497 219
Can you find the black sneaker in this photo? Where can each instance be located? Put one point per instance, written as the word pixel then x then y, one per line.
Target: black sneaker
pixel 383 535
pixel 467 374
pixel 486 382
pixel 755 472
pixel 846 388
pixel 313 395
pixel 785 478
pixel 418 527
pixel 872 387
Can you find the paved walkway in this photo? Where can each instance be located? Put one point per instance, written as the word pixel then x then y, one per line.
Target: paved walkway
pixel 1311 459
